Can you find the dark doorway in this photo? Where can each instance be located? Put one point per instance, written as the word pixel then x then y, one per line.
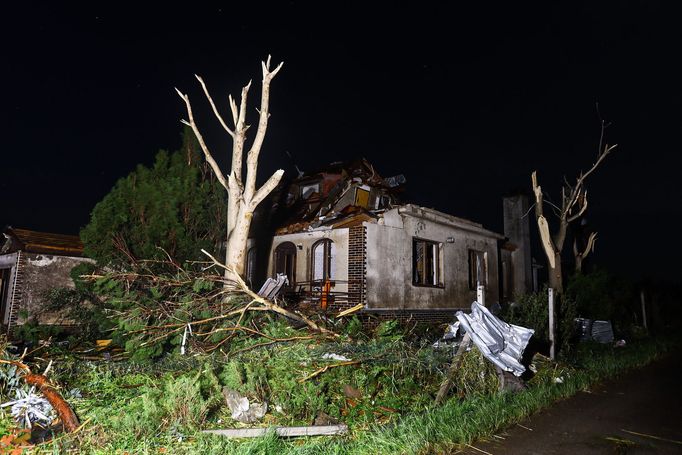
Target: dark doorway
pixel 4 291
pixel 285 261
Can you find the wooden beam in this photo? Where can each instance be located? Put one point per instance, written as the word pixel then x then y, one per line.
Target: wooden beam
pixel 315 430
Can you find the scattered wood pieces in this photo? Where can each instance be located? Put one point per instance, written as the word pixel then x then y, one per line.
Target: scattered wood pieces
pixel 327 367
pixel 355 309
pixel 525 428
pixel 314 430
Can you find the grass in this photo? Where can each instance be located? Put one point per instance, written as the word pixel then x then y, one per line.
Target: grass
pixel 159 408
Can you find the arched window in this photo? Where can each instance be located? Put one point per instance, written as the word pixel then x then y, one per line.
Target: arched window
pixel 285 261
pixel 251 266
pixel 323 267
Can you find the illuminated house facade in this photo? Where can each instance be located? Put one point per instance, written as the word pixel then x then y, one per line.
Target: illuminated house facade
pixel 348 241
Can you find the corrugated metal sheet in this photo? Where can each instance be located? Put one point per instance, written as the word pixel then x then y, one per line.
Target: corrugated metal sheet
pixel 500 342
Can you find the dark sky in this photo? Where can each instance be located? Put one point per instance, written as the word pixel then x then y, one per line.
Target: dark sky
pixel 464 101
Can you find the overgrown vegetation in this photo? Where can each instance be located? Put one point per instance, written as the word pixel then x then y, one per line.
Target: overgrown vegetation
pixel 603 295
pixel 386 399
pixel 531 310
pixel 175 207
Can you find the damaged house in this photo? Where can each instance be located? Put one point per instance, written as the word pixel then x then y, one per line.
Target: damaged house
pixel 32 263
pixel 347 240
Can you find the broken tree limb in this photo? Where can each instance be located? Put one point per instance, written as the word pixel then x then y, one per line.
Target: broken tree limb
pixel 266 303
pixel 66 414
pixel 580 256
pixel 328 367
pixel 452 371
pixel 355 309
pixel 573 206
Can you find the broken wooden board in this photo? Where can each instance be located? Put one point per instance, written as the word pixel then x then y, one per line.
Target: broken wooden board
pixel 315 430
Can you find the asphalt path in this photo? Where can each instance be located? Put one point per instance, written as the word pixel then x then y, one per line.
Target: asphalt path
pixel 638 413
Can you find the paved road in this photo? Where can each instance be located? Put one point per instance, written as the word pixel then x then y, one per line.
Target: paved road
pixel 646 401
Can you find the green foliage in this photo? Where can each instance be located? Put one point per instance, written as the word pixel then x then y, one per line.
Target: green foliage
pixel 149 312
pixel 32 332
pixel 532 311
pixel 391 375
pixel 176 205
pixel 353 327
pixel 390 330
pixel 476 375
pixel 177 403
pixel 160 407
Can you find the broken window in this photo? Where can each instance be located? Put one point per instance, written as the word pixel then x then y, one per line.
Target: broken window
pixel 323 267
pixel 383 202
pixel 309 190
pixel 361 197
pixel 478 273
pixel 426 263
pixel 285 261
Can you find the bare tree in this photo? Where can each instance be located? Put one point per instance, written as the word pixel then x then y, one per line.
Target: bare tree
pixel 573 206
pixel 243 198
pixel 581 255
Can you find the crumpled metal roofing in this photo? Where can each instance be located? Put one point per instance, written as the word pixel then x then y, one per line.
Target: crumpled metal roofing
pixel 500 342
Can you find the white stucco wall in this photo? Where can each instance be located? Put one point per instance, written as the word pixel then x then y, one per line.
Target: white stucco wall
pixel 389 264
pixel 304 242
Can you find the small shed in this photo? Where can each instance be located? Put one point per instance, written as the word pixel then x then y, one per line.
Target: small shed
pixel 32 263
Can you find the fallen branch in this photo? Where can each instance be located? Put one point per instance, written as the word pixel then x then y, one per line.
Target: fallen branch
pixel 355 309
pixel 328 367
pixel 66 414
pixel 266 303
pixel 454 368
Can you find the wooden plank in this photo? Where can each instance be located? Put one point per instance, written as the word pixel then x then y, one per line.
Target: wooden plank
pixel 315 430
pixel 454 367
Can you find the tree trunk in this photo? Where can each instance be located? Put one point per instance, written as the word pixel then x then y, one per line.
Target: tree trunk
pixel 235 254
pixel 555 275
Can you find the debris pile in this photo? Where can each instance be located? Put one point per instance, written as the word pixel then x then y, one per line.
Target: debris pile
pixel 591 330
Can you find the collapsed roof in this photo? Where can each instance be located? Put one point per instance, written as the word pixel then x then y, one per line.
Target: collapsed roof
pixel 343 195
pixel 338 195
pixel 40 242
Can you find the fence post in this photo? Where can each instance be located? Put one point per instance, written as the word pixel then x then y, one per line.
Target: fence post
pixel 552 335
pixel 641 295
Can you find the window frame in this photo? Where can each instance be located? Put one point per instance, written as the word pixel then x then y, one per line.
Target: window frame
pixel 251 260
pixel 327 259
pixel 473 277
pixel 316 189
pixel 437 248
pixel 285 248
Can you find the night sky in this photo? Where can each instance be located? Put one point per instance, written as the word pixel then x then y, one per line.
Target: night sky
pixel 465 102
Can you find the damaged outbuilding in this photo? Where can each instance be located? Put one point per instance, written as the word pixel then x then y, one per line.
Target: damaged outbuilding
pixel 32 263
